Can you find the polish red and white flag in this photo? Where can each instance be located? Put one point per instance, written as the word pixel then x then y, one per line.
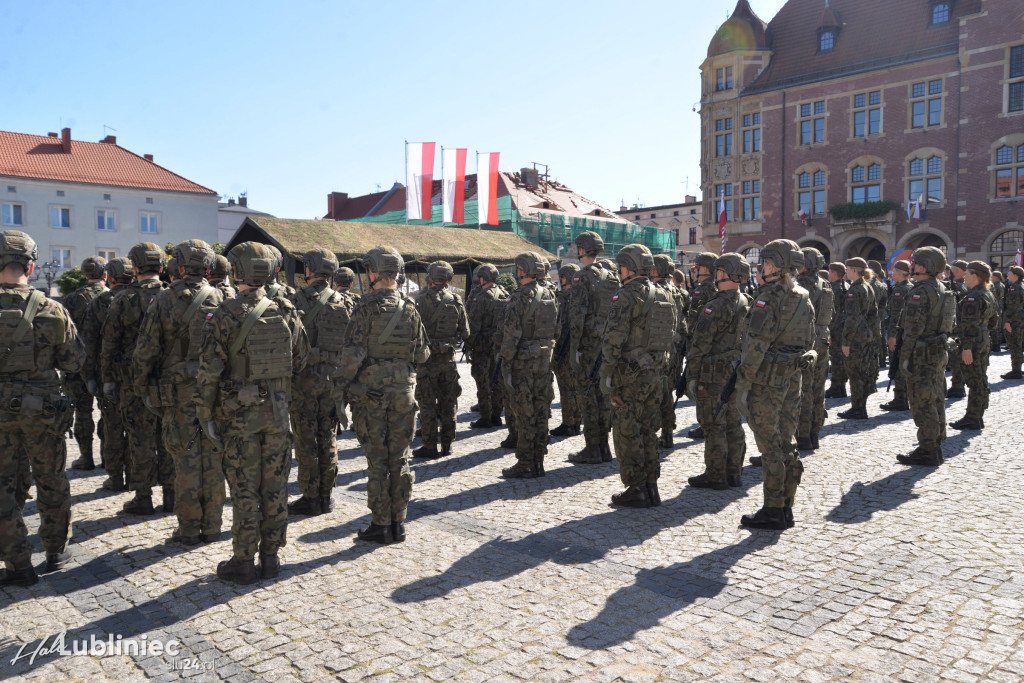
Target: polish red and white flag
pixel 487 187
pixel 453 186
pixel 1018 260
pixel 722 219
pixel 419 179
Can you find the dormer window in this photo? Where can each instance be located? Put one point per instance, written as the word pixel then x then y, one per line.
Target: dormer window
pixel 940 13
pixel 826 40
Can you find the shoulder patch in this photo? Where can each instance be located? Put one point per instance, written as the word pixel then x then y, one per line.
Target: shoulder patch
pixel 916 297
pixel 970 299
pixel 761 304
pixel 850 295
pixel 897 294
pixel 615 298
pixel 708 311
pixel 209 315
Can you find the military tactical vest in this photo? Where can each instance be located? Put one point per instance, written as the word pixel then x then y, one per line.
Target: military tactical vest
pixel 540 323
pixel 605 286
pixel 17 341
pixel 266 352
pixel 332 324
pixel 394 326
pixel 654 324
pixel 441 316
pixel 795 316
pixel 194 333
pixel 942 316
pixel 138 300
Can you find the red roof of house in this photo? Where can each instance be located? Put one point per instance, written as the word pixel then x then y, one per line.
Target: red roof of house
pixel 96 163
pixel 872 34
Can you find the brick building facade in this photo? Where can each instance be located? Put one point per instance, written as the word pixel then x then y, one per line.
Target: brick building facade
pixel 831 124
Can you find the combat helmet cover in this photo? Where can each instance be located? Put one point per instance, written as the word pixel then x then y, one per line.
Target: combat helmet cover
pixel 532 265
pixel 196 256
pixel 119 269
pixel 733 265
pixel 487 271
pixel 440 271
pixel 344 276
pixel 590 242
pixel 320 262
pixel 147 257
pixel 664 266
pixel 705 259
pixel 637 258
pixel 94 267
pixel 384 260
pixel 221 267
pixel 785 254
pixel 252 263
pixel 17 247
pixel 813 260
pixel 932 258
pixel 568 271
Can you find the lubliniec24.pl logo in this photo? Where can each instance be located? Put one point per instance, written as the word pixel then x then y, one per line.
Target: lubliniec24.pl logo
pixel 111 646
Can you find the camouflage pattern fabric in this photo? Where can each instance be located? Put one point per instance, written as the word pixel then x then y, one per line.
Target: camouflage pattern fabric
pixel 568 393
pixel 485 315
pixel 897 300
pixel 812 382
pixel 114 442
pixel 701 294
pixel 837 362
pixel 955 365
pixel 859 333
pixel 1013 313
pixel 585 330
pixel 674 368
pixel 437 380
pixel 976 310
pixel 77 304
pixel 996 323
pixel 924 363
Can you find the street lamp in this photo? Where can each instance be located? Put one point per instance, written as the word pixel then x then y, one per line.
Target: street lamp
pixel 50 270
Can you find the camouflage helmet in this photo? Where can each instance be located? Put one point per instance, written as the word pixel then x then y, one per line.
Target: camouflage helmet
pixel 733 265
pixel 590 242
pixel 119 269
pixel 568 271
pixel 384 260
pixel 932 258
pixel 440 271
pixel 278 257
pixel 221 267
pixel 785 254
pixel 196 256
pixel 344 276
pixel 147 257
pixel 94 267
pixel 705 259
pixel 637 258
pixel 664 265
pixel 320 262
pixel 607 264
pixel 17 247
pixel 487 271
pixel 251 263
pixel 172 268
pixel 532 265
pixel 813 260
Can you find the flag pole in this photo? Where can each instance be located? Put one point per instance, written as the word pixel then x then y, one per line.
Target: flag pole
pixel 477 188
pixel 407 182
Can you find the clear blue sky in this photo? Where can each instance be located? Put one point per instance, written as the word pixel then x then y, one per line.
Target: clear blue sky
pixel 290 101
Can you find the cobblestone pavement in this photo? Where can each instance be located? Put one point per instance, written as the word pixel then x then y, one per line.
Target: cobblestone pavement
pixel 892 573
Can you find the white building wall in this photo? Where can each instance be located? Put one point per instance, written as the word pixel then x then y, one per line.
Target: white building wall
pixel 179 216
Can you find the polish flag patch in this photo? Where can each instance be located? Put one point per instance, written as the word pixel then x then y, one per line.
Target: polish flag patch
pixel 850 295
pixel 209 315
pixel 615 298
pixel 708 311
pixel 761 304
pixel 916 297
pixel 970 299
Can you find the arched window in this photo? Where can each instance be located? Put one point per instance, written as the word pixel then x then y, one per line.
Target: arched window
pixel 925 179
pixel 753 256
pixel 1009 170
pixel 866 183
pixel 1004 248
pixel 810 196
pixel 940 13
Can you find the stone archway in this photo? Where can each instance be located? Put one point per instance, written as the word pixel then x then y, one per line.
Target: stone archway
pixel 868 248
pixel 820 245
pixel 926 238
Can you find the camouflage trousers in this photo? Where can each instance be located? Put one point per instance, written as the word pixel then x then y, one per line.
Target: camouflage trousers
pixel 42 439
pixel 635 424
pixel 837 362
pixel 114 444
pixel 926 392
pixel 437 394
pixel 82 400
pixel 976 379
pixel 150 463
pixel 996 333
pixel 198 471
pixel 956 368
pixel 1015 342
pixel 488 387
pixel 668 401
pixel 862 368
pixel 725 443
pixel 568 394
pixel 597 418
pixel 22 478
pixel 899 383
pixel 256 465
pixel 812 394
pixel 384 425
pixel 774 412
pixel 531 405
pixel 314 428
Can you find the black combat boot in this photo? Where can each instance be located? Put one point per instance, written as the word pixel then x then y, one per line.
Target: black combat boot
pixel 854 413
pixel 895 405
pixel 19 577
pixel 115 483
pixel 56 561
pixel 305 506
pixel 189 541
pixel 734 480
pixel 475 408
pixel 790 522
pixel 632 497
pixel 398 532
pixel 814 441
pixel 326 504
pixel 427 452
pixel 139 505
pixel 653 494
pixel 703 481
pixel 922 456
pixel 590 455
pixel 804 443
pixel 376 533
pixel 696 433
pixel 1013 374
pixel 238 571
pixel 418 433
pixel 836 391
pixel 755 460
pixel 956 392
pixel 84 462
pixel 511 441
pixel 483 423
pixel 270 566
pixel 766 518
pixel 665 440
pixel 168 500
pixel 446 449
pixel 519 471
pixel 566 430
pixel 968 423
pixel 606 451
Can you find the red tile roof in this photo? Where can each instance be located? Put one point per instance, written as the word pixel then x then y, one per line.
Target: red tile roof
pixel 95 163
pixel 872 34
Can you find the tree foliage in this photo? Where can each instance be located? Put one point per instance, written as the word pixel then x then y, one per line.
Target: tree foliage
pixel 70 280
pixel 851 211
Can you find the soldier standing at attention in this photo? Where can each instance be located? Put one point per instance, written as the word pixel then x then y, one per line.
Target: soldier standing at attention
pixel 837 362
pixel 528 336
pixel 976 310
pixel 881 290
pixel 589 297
pixel 996 330
pixel 37 338
pixel 703 290
pixel 958 271
pixel 859 333
pixel 568 393
pixel 114 443
pixel 781 332
pixel 168 346
pixel 661 276
pixel 926 325
pixel 77 303
pixel 484 319
pixel 342 284
pixel 714 350
pixel 894 309
pixel 150 463
pixel 219 277
pixel 383 345
pixel 274 287
pixel 252 345
pixel 1013 321
pixel 812 382
pixel 172 269
pixel 437 380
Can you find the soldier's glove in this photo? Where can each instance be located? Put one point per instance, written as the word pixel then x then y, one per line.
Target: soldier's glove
pixel 742 393
pixel 110 390
pixel 93 387
pixel 210 429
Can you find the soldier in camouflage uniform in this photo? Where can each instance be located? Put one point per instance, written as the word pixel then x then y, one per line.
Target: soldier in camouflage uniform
pixel 703 290
pixel 973 320
pixel 925 326
pixel 251 347
pixel 858 340
pixel 219 277
pixel 168 347
pixel 172 269
pixel 325 317
pixel 76 303
pixel 114 444
pixel 1013 321
pixel 714 349
pixel 568 393
pixel 894 309
pixel 661 276
pixel 342 282
pixel 996 330
pixel 778 347
pixel 589 298
pixel 881 290
pixel 274 287
pixel 529 328
pixel 150 463
pixel 637 342
pixel 37 338
pixel 956 389
pixel 384 344
pixel 837 362
pixel 484 320
pixel 437 380
pixel 812 383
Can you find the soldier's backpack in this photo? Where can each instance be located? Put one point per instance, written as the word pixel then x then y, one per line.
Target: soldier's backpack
pixel 18 354
pixel 327 321
pixel 267 344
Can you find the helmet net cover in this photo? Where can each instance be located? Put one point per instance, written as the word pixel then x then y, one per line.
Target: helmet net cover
pixel 221 267
pixel 813 260
pixel 664 265
pixel 487 271
pixel 932 258
pixel 94 267
pixel 17 247
pixel 590 242
pixel 784 254
pixel 532 265
pixel 119 269
pixel 195 255
pixel 568 271
pixel 705 259
pixel 440 271
pixel 384 260
pixel 637 258
pixel 147 257
pixel 252 263
pixel 320 262
pixel 734 265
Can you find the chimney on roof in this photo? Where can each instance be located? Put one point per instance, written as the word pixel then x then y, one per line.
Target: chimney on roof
pixel 110 140
pixel 65 140
pixel 690 199
pixel 231 201
pixel 147 157
pixel 243 200
pixel 335 202
pixel 529 176
pixel 52 135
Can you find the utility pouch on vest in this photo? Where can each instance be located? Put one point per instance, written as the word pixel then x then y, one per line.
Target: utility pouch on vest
pixel 153 394
pixel 249 395
pixel 19 355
